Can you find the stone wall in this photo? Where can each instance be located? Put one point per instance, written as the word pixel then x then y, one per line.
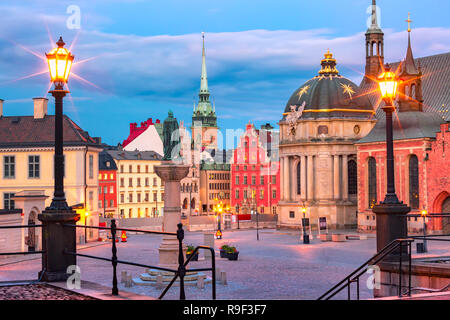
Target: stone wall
pixel 10 239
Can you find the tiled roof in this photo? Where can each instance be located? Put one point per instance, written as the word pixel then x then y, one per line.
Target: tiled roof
pixel 407 125
pixel 106 162
pixel 435 85
pixel 134 155
pixel 25 131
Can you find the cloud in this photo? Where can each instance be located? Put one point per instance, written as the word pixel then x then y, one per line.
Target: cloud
pixel 251 73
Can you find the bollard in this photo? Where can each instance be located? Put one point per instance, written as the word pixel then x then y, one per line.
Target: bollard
pixel 223 278
pixel 217 274
pixel 159 280
pixel 123 277
pixel 129 281
pixel 201 282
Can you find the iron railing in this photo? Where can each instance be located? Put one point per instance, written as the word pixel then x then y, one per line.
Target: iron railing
pixel 179 273
pixel 396 246
pixel 21 282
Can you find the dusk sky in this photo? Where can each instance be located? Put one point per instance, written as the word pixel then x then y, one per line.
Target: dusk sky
pixel 144 57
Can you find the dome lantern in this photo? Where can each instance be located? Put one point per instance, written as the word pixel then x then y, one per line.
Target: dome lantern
pixel 328 65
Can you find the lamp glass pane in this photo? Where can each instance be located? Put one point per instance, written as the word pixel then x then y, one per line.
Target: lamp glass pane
pixel 68 67
pixel 52 68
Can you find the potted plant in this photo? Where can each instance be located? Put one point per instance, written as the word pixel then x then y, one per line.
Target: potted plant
pixel 189 251
pixel 232 253
pixel 223 251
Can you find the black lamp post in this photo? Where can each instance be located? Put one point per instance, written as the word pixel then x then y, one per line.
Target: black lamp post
pixel 60 62
pixel 391 213
pixel 58 238
pixel 304 224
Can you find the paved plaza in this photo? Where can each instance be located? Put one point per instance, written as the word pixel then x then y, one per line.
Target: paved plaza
pixel 278 266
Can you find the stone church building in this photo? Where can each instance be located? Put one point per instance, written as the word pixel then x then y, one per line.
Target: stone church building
pixel 332 141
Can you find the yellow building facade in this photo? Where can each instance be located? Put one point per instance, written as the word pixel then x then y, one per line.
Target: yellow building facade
pixel 140 191
pixel 26 158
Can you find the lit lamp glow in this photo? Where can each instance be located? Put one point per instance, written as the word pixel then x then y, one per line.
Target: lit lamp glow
pixel 388 84
pixel 59 63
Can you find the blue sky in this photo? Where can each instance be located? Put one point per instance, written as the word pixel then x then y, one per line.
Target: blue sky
pixel 146 55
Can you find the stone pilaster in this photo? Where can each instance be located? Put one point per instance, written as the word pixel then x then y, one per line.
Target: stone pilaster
pixel 336 178
pixel 345 177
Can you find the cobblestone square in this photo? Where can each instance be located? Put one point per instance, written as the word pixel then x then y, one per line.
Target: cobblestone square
pixel 278 266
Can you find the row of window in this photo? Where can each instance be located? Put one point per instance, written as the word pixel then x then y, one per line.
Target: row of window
pixel 104 189
pixel 261 180
pixel 221 195
pixel 219 186
pixel 148 169
pixel 105 203
pixel 139 197
pixel 219 176
pixel 34 167
pixel 9 167
pixel 186 187
pixel 140 214
pixel 138 182
pixel 413 182
pixel 246 195
pixel 105 176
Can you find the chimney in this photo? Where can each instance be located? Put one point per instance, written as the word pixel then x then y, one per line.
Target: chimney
pixel 40 107
pixel 1 108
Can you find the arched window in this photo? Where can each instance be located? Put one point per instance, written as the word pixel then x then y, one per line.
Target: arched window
pixel 299 187
pixel 412 93
pixel 352 177
pixel 372 174
pixel 414 182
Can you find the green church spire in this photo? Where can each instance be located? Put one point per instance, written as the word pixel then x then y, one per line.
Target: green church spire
pixel 204 110
pixel 204 81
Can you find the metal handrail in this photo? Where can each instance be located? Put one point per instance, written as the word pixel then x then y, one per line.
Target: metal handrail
pixel 355 275
pixel 22 226
pixel 180 272
pixel 121 229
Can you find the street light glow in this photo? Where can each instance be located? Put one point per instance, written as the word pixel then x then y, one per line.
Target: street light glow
pixel 59 62
pixel 388 84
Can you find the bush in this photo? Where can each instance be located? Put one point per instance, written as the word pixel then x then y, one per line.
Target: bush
pixel 230 249
pixel 190 249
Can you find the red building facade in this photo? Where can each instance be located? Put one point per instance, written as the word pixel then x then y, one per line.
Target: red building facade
pixel 107 182
pixel 438 173
pixel 255 176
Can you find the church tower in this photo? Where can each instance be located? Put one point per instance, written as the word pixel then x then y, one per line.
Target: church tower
pixel 374 47
pixel 410 87
pixel 204 119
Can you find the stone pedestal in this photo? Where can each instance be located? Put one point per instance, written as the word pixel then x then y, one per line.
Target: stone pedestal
pixel 169 250
pixel 391 223
pixel 171 174
pixel 56 238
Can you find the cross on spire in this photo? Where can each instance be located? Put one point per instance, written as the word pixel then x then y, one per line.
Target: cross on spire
pixel 409 21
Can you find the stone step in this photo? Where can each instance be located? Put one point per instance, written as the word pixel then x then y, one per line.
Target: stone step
pixel 150 277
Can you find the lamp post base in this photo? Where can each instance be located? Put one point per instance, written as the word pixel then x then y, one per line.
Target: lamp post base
pixel 391 222
pixel 56 239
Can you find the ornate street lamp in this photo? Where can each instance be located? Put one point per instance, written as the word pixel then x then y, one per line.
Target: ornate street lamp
pixel 57 238
pixel 391 213
pixel 305 234
pixel 424 214
pixel 218 208
pixel 59 63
